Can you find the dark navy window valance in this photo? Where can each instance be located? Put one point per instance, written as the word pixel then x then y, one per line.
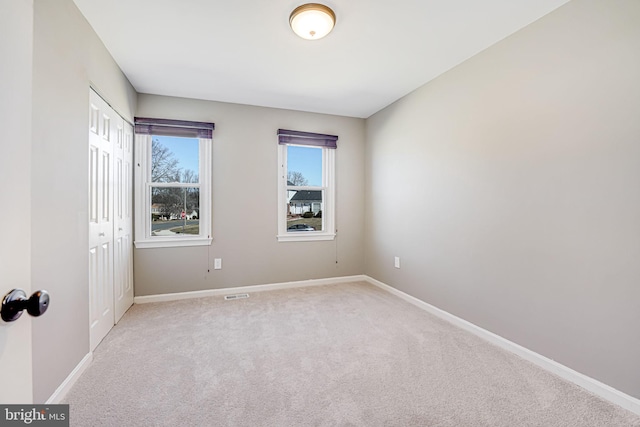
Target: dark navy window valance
pixel 166 127
pixel 306 138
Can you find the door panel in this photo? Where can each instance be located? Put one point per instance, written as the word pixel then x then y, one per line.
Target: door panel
pixel 93 288
pixel 101 146
pixel 93 184
pixel 110 217
pixel 123 220
pixel 16 51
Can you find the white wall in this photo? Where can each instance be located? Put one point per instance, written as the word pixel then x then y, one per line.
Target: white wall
pixel 245 203
pixel 509 189
pixel 68 57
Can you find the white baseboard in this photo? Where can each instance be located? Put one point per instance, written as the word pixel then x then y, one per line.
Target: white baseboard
pixel 246 289
pixel 63 389
pixel 594 386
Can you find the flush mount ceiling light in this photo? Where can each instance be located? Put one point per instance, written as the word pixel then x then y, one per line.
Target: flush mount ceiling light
pixel 312 21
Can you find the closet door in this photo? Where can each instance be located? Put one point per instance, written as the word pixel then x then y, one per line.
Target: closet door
pixel 123 241
pixel 102 133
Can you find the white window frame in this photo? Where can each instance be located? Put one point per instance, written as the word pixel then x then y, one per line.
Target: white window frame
pixel 143 185
pixel 328 188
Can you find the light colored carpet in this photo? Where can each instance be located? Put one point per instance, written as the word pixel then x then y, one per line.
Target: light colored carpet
pixel 339 355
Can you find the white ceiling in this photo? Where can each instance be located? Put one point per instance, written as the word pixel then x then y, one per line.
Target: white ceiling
pixel 243 51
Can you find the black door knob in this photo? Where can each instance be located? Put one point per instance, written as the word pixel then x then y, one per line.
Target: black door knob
pixel 16 301
pixel 38 303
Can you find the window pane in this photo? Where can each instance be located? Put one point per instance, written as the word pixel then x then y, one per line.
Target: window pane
pixel 174 159
pixel 175 211
pixel 304 166
pixel 304 211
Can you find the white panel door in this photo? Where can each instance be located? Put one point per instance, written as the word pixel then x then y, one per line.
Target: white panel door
pixel 16 42
pixel 123 242
pixel 102 134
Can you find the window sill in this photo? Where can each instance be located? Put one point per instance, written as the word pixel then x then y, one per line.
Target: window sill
pixel 305 237
pixel 172 242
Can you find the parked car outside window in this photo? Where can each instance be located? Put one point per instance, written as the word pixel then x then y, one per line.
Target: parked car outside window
pixel 300 227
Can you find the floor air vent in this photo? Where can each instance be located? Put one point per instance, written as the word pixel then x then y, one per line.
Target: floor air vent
pixel 236 296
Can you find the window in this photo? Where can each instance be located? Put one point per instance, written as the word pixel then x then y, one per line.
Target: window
pixel 173 180
pixel 306 186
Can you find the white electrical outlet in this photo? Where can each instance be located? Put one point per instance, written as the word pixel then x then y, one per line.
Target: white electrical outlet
pixel 217 264
pixel 396 262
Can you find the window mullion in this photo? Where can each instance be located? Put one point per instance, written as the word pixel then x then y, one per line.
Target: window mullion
pixel 305 188
pixel 174 184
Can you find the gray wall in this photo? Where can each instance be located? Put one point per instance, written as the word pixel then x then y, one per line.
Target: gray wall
pixel 68 56
pixel 509 188
pixel 245 203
